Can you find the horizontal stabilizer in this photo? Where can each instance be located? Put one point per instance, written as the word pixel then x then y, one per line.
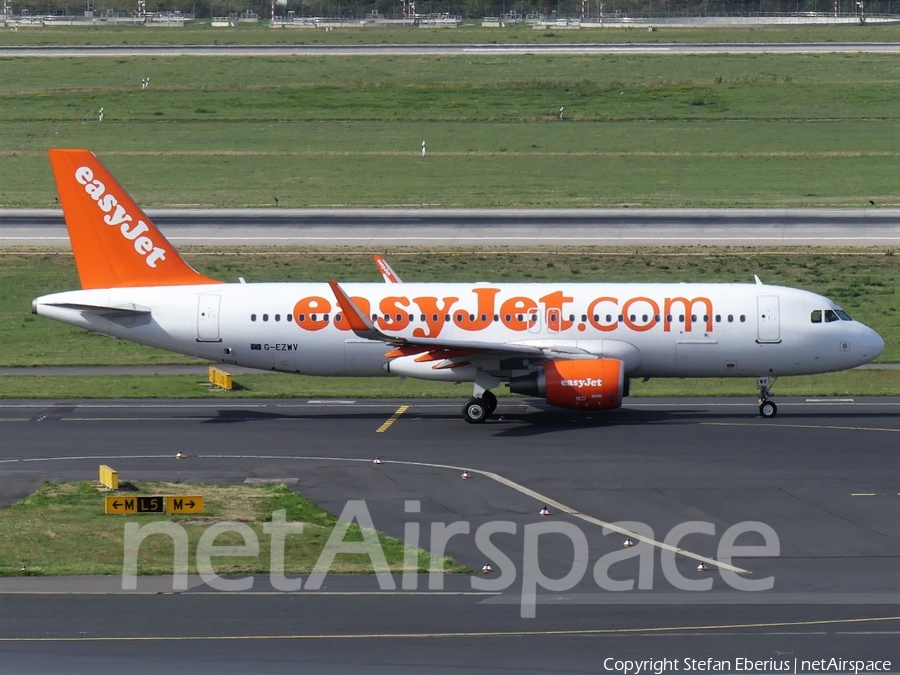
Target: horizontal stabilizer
pixel 104 311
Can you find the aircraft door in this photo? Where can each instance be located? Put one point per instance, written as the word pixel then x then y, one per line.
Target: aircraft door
pixel 534 320
pixel 208 318
pixel 767 317
pixel 554 320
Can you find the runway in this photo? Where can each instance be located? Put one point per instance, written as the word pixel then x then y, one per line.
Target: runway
pixel 454 50
pixel 490 227
pixel 824 475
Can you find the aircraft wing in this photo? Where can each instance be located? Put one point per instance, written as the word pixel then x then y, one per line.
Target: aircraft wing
pixel 362 326
pixel 390 276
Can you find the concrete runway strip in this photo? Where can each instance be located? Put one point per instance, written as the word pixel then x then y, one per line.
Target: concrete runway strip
pixel 454 50
pixel 490 227
pixel 824 474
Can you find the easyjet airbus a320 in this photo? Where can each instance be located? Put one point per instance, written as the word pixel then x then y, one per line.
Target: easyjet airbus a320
pixel 576 345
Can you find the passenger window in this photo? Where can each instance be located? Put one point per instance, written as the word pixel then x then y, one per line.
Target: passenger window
pixel 278 317
pixel 459 317
pixel 253 317
pixel 496 317
pixel 434 317
pixel 743 318
pixel 632 317
pixel 374 317
pixel 669 318
pixel 411 317
pixel 290 317
pixel 324 317
pixel 584 317
pixel 718 318
pixel 484 317
pixel 816 316
pixel 844 316
pixel 301 318
pixel 706 317
pixel 681 318
pixel 621 318
pixel 399 318
pixel 730 318
pixel 422 318
pixel 265 317
pixel 693 317
pixel 831 315
pixel 656 317
pixel 446 318
pixel 508 318
pixel 644 318
pixel 571 317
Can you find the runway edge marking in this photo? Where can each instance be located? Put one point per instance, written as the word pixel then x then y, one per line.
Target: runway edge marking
pixel 537 496
pixel 470 634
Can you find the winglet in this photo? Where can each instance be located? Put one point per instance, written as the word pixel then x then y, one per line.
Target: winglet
pixel 114 242
pixel 359 323
pixel 390 276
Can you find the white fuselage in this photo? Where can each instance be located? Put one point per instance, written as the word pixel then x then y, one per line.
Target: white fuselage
pixel 657 330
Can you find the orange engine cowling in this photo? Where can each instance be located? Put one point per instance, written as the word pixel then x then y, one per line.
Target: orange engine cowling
pixel 595 384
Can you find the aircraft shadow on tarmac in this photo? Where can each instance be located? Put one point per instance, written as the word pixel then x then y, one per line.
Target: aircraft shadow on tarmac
pixel 233 416
pixel 550 420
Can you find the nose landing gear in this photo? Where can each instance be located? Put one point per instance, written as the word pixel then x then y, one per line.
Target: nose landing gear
pixel 767 407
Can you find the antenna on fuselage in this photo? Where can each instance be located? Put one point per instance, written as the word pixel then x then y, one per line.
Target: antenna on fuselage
pixel 758 282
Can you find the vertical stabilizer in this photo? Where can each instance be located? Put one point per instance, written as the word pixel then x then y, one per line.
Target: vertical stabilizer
pixel 114 242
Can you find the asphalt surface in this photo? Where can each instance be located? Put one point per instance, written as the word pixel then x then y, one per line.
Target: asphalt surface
pixel 449 50
pixel 824 475
pixel 491 227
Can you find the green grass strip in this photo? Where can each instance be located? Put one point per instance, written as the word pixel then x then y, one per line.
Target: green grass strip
pixel 62 530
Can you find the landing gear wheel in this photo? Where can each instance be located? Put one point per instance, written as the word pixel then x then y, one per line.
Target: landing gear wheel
pixel 475 411
pixel 490 401
pixel 768 409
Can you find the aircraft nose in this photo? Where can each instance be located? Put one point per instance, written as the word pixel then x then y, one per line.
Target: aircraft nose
pixel 872 344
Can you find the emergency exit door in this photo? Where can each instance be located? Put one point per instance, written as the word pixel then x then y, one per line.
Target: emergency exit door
pixel 208 318
pixel 767 317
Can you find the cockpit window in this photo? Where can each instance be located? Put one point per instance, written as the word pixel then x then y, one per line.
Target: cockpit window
pixel 841 313
pixel 816 316
pixel 831 315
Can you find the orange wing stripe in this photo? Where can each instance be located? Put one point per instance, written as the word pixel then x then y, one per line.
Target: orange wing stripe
pixel 351 312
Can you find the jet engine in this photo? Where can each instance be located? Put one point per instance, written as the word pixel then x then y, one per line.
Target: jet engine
pixel 590 384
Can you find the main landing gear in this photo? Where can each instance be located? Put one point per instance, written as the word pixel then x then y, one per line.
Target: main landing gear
pixel 478 408
pixel 483 402
pixel 767 407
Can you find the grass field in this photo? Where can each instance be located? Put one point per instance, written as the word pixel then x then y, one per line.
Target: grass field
pixel 470 33
pixel 718 130
pixel 867 284
pixel 62 530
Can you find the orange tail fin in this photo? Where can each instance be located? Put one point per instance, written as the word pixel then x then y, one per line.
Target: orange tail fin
pixel 114 242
